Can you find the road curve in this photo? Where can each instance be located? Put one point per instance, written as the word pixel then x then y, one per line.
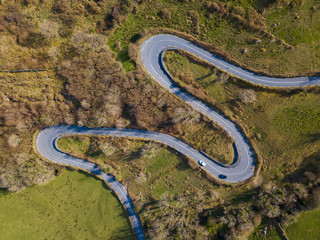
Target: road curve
pixel 158 44
pixel 151 54
pixel 46 143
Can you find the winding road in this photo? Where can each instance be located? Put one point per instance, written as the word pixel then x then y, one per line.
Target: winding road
pixel 151 54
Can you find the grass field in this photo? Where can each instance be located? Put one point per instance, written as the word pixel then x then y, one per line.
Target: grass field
pixel 284 126
pixel 306 227
pixel 227 35
pixel 299 27
pixel 73 206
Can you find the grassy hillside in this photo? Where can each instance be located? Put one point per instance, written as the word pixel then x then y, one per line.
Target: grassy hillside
pixel 87 86
pixel 165 190
pixel 233 26
pixel 84 85
pixel 283 125
pixel 73 206
pixel 161 170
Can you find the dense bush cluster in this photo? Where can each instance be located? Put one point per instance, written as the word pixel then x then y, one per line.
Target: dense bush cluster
pixel 247 18
pixel 117 15
pixel 175 223
pixel 105 96
pixel 280 202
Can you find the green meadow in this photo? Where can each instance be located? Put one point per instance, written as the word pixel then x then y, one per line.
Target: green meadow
pixel 74 205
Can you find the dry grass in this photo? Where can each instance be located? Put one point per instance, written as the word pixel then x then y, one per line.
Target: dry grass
pixel 31 86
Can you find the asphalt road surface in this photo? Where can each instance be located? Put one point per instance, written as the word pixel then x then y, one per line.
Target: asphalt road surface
pixel 151 54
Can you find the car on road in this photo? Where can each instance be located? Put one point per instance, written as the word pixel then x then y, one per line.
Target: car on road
pixel 201 163
pixel 221 176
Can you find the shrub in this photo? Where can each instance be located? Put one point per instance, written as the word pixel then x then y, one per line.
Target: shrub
pixel 28 2
pixel 53 52
pixel 223 77
pixel 83 42
pixel 179 115
pixel 247 96
pixel 122 123
pixel 238 10
pixel 14 140
pixel 215 7
pixel 18 177
pixel 107 148
pixel 49 29
pixel 61 6
pixel 133 50
pixel 118 46
pixel 31 39
pixel 195 18
pixel 93 7
pixel 165 13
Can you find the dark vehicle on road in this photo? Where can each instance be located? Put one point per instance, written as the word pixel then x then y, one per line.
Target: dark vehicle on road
pixel 221 176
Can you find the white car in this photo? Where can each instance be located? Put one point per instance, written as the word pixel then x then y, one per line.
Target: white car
pixel 201 163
